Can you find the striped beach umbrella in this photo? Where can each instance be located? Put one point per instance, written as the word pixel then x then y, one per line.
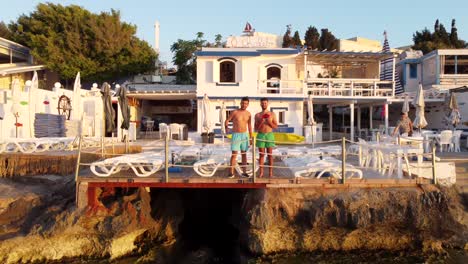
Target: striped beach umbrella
pixel 386 68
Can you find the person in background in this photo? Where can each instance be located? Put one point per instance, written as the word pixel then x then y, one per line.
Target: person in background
pixel 404 125
pixel 241 135
pixel 265 122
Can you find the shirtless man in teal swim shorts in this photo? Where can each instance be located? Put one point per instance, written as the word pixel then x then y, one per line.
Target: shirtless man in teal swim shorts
pixel 241 135
pixel 265 122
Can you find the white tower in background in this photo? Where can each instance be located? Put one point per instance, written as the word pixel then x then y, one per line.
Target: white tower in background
pixel 156 36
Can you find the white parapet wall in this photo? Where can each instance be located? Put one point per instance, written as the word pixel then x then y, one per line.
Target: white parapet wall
pixel 45 101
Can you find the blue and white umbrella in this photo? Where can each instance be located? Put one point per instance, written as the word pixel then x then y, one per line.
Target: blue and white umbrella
pixel 386 68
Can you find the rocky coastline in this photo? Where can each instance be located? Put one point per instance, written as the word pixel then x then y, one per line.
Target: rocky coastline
pixel 39 222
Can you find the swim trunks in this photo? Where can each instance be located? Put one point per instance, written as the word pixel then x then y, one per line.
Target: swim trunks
pixel 240 141
pixel 265 140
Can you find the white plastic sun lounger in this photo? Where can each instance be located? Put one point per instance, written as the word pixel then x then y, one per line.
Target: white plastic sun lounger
pixel 143 164
pixel 26 145
pixel 315 167
pixel 217 156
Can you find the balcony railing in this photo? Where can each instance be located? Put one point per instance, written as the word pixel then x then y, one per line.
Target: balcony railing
pixel 282 87
pixel 328 87
pixel 349 87
pixel 454 79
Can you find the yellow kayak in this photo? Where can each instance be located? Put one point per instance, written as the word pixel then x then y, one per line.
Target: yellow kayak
pixel 283 138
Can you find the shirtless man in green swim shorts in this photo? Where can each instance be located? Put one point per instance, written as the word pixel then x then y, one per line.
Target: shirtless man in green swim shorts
pixel 241 123
pixel 265 122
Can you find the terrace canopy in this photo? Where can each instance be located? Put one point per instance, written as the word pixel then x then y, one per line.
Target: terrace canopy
pixel 343 58
pixel 347 60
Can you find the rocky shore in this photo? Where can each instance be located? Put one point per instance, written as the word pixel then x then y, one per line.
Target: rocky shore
pixel 39 221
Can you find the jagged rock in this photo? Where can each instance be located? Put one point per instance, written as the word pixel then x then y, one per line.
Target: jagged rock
pixel 125 244
pixel 151 226
pixel 391 219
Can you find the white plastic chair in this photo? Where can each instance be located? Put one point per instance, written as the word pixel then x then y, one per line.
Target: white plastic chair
pixel 174 129
pixel 446 140
pixel 163 129
pixel 456 140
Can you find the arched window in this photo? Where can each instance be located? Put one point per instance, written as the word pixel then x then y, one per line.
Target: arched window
pixel 227 72
pixel 273 79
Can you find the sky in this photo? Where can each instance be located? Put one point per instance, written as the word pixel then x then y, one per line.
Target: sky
pixel 182 19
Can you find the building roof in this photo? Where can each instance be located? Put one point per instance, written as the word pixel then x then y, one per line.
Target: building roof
pixel 345 57
pixel 245 52
pixel 19 68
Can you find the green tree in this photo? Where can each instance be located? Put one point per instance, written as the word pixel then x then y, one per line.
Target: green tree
pixel 439 39
pixel 69 39
pixel 328 41
pixel 312 37
pixel 184 59
pixel 218 39
pixel 444 37
pixel 287 40
pixel 4 31
pixel 454 40
pixel 296 40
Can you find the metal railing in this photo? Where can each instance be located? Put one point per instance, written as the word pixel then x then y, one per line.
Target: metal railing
pixel 280 87
pixel 314 161
pixel 349 87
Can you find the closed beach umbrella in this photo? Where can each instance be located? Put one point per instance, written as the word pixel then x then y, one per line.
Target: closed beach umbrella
pixel 454 114
pixel 405 108
pixel 310 111
pixel 32 101
pixel 122 94
pixel 108 110
pixel 222 118
pixel 420 120
pixel 207 123
pixel 15 96
pixel 76 101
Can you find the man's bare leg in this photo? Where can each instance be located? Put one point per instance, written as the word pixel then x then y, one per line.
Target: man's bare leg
pixel 261 161
pixel 270 161
pixel 244 161
pixel 233 162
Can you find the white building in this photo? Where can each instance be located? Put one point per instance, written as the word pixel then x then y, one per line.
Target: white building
pixel 256 66
pixel 439 71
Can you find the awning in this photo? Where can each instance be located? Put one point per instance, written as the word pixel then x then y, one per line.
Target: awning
pixel 343 58
pixel 20 68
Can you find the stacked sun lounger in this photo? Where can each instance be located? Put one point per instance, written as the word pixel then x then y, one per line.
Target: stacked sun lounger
pixel 48 125
pixel 31 145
